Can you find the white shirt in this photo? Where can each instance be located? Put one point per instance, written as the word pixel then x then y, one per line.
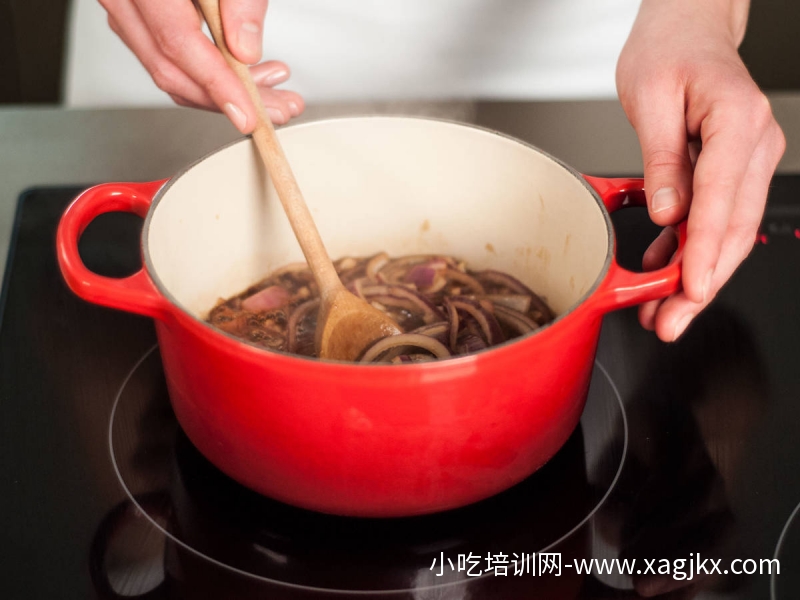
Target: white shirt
pixel 342 50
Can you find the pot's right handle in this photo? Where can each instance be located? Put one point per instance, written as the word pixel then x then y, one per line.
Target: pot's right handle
pixel 621 287
pixel 136 293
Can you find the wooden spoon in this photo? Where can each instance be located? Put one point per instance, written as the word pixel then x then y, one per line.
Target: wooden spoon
pixel 347 325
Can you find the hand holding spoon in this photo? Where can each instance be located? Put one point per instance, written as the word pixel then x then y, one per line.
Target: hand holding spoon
pixel 347 325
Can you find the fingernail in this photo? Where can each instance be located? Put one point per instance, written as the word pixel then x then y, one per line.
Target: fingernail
pixel 681 326
pixel 236 116
pixel 664 199
pixel 274 77
pixel 250 40
pixel 707 284
pixel 275 115
pixel 293 108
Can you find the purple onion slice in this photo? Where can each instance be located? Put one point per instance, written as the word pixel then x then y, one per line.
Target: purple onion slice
pixel 270 298
pixel 518 302
pixel 295 319
pixel 465 279
pixel 396 269
pixel 492 278
pixel 439 331
pixel 400 344
pixel 375 264
pixel 469 343
pixel 514 320
pixel 404 297
pixel 428 278
pixel 492 332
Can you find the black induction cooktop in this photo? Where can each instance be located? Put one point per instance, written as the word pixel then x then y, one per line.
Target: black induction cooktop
pixel 685 468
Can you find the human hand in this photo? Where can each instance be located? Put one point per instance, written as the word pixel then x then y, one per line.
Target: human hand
pixel 710 145
pixel 167 38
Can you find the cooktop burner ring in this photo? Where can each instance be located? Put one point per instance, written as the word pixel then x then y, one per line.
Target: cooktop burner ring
pixel 773 580
pixel 623 420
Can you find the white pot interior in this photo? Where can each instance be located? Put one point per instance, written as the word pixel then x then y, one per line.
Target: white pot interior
pixel 403 185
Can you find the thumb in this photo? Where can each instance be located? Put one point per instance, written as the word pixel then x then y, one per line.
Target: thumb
pixel 660 124
pixel 243 24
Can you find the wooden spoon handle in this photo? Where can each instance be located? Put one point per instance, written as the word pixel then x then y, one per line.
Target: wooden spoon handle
pixel 305 230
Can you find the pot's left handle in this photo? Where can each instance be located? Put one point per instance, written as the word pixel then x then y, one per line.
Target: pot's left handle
pixel 621 287
pixel 137 293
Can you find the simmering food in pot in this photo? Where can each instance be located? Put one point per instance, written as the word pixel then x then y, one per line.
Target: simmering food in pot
pixel 443 308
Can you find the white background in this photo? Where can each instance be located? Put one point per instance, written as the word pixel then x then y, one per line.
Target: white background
pixel 345 50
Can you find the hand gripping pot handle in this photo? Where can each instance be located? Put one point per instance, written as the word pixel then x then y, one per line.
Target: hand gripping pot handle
pixel 621 287
pixel 137 293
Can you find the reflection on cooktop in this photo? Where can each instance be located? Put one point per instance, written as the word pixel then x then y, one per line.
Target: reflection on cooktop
pixel 786 584
pixel 207 516
pixel 691 419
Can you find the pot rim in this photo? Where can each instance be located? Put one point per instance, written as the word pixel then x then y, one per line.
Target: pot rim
pixel 162 289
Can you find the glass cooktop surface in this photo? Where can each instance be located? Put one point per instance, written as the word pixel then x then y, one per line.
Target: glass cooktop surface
pixel 681 480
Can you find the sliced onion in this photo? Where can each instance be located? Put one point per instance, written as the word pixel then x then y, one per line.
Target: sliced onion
pixel 345 264
pixel 295 318
pixel 514 320
pixel 405 359
pixel 465 279
pixel 498 278
pixel 518 302
pixel 403 341
pixel 357 284
pixel 395 270
pixel 421 276
pixel 428 277
pixel 433 329
pixel 294 267
pixel 380 306
pixel 470 343
pixel 488 323
pixel 438 284
pixel 452 315
pixel 439 331
pixel 463 311
pixel 375 264
pixel 404 297
pixel 269 298
pixel 351 269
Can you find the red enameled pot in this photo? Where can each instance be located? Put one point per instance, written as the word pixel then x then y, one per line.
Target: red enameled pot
pixel 374 440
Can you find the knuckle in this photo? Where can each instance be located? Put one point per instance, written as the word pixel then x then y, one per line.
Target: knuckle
pixel 662 159
pixel 762 104
pixel 112 24
pixel 734 109
pixel 780 142
pixel 722 188
pixel 694 231
pixel 743 238
pixel 171 44
pixel 760 110
pixel 179 100
pixel 162 77
pixel 214 83
pixel 710 232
